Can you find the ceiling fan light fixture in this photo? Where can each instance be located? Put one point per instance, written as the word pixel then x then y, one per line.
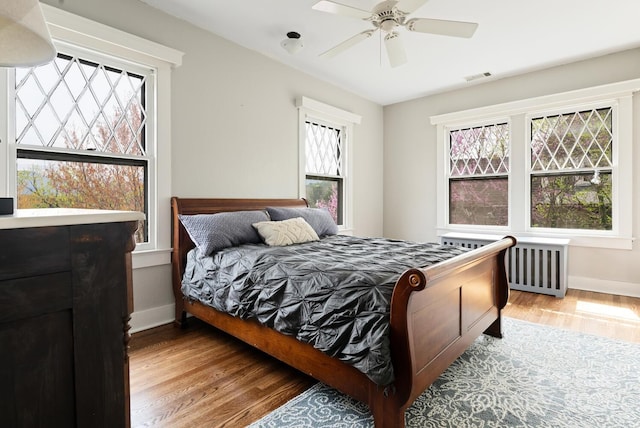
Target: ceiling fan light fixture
pixel 292 44
pixel 388 25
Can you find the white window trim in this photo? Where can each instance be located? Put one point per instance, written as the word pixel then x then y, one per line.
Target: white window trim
pixel 309 110
pixel 617 95
pixel 78 31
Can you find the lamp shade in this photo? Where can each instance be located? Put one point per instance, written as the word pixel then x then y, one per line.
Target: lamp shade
pixel 24 37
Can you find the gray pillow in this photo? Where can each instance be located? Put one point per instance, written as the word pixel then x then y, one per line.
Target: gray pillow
pixel 214 232
pixel 318 218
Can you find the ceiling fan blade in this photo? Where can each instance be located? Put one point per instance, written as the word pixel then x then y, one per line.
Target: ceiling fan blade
pixel 443 27
pixel 410 6
pixel 341 9
pixel 347 44
pixel 395 49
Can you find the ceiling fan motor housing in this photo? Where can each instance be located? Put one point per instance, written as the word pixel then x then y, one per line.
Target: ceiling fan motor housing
pixel 387 17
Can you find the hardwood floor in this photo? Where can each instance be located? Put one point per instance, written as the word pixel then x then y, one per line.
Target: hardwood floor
pixel 201 377
pixel 617 317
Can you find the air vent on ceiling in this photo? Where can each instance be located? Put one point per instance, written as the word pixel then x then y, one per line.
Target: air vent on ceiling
pixel 477 76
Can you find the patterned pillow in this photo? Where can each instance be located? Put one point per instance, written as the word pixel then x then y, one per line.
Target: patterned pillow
pixel 214 232
pixel 286 232
pixel 318 218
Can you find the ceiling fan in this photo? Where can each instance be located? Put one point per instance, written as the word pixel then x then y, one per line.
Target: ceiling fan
pixel 388 16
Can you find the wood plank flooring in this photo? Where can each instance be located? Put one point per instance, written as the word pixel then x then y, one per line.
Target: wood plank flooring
pixel 201 377
pixel 617 317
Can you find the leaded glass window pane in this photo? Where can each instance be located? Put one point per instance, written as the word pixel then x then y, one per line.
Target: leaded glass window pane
pixel 323 149
pixel 575 140
pixel 72 103
pixel 482 150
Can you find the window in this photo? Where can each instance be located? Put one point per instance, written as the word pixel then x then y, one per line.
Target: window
pixel 324 171
pixel 557 166
pixel 479 175
pixel 325 139
pixel 81 131
pixel 571 169
pixel 92 128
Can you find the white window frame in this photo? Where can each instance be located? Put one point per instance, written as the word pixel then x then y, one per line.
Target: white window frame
pixel 310 110
pixel 80 33
pixel 618 95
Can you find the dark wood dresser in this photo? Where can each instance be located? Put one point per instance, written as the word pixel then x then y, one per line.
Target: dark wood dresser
pixel 65 305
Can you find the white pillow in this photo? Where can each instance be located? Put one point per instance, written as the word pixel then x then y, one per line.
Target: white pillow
pixel 280 233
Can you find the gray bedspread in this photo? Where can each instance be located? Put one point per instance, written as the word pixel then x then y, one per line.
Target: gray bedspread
pixel 333 293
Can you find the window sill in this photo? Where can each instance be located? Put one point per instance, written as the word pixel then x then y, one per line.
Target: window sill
pixel 604 242
pixel 151 258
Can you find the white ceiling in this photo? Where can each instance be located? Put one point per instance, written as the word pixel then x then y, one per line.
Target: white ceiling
pixel 514 36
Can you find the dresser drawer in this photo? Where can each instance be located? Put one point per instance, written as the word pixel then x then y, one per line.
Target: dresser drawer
pixel 30 297
pixel 36 251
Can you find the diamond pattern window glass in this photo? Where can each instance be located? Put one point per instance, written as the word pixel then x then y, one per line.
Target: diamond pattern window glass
pixel 571 169
pixel 72 103
pixel 324 149
pixel 478 175
pixel 572 141
pixel 479 151
pixel 80 133
pixel 324 174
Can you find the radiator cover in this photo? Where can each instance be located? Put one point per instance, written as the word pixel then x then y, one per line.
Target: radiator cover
pixel 538 265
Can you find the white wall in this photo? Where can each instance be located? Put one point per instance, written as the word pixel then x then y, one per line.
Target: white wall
pixel 235 129
pixel 410 161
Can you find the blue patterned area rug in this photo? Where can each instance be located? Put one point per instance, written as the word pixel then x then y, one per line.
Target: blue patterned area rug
pixel 535 376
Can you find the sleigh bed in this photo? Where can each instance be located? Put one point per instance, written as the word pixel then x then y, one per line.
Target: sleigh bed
pixel 436 312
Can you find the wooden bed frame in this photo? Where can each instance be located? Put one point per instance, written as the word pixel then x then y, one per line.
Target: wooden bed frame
pixel 436 313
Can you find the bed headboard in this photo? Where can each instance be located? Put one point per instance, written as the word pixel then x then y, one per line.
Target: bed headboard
pixel 180 240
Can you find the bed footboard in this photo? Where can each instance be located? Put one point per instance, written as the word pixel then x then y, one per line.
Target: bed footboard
pixel 436 313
